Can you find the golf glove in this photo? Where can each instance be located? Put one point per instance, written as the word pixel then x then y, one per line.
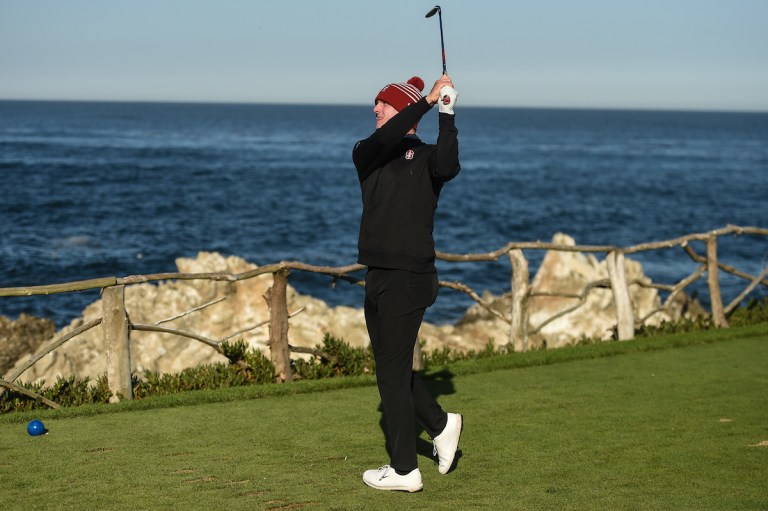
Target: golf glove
pixel 447 100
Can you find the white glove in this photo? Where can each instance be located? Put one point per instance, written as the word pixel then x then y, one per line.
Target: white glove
pixel 447 100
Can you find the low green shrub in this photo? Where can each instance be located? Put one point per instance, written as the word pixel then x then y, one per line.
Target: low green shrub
pixel 755 311
pixel 70 391
pixel 338 359
pixel 445 355
pixel 675 327
pixel 247 366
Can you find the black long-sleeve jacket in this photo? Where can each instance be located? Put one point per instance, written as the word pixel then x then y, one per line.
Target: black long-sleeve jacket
pixel 400 179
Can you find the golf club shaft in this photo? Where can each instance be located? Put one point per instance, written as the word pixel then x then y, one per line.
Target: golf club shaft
pixel 439 11
pixel 442 42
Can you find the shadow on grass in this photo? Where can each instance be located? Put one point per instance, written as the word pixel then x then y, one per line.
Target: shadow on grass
pixel 439 384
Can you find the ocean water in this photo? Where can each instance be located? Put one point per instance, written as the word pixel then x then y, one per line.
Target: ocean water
pixel 112 189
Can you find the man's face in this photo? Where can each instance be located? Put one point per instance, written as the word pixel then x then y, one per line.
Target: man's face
pixel 384 112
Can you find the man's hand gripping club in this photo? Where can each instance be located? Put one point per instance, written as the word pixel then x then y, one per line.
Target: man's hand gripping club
pixel 443 94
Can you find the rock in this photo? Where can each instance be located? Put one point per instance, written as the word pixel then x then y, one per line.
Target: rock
pixel 22 337
pixel 569 273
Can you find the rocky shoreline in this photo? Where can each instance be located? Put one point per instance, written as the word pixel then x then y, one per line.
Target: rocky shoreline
pixel 240 305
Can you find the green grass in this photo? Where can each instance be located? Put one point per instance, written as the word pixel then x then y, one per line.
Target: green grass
pixel 631 425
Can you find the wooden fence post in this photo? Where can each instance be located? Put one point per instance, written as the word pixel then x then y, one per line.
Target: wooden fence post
pixel 518 330
pixel 715 297
pixel 277 300
pixel 117 343
pixel 624 316
pixel 418 357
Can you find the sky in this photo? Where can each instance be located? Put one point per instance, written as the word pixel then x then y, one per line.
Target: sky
pixel 637 54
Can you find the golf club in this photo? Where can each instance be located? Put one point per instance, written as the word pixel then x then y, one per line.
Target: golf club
pixel 436 9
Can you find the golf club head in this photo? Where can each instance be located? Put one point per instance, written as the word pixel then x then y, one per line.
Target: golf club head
pixel 433 11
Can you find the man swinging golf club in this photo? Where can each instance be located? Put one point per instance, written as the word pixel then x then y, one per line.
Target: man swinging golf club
pixel 401 178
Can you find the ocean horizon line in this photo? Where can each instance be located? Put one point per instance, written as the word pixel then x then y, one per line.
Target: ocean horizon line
pixel 649 109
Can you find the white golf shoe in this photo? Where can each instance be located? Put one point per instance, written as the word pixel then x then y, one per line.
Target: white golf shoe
pixel 446 443
pixel 385 478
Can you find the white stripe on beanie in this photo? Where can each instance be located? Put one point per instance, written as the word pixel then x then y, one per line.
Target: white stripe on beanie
pixel 409 90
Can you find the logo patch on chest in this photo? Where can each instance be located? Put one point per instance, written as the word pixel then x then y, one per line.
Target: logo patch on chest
pixel 409 154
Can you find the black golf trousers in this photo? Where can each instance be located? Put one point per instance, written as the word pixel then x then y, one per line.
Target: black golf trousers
pixel 395 301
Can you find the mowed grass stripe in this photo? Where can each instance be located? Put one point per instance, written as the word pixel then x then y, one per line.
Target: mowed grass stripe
pixel 664 429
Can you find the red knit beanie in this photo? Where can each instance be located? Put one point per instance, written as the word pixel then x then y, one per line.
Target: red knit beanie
pixel 400 95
